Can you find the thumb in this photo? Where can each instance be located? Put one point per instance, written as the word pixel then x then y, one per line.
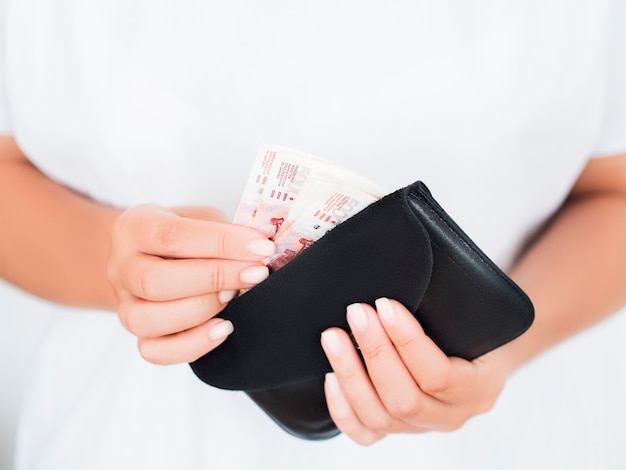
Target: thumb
pixel 210 214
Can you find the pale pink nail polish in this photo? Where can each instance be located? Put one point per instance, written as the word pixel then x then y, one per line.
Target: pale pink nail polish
pixel 331 342
pixel 357 317
pixel 332 384
pixel 261 247
pixel 254 275
pixel 221 330
pixel 386 311
pixel 226 296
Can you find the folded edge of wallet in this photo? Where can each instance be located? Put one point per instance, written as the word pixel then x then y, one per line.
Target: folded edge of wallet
pixel 471 306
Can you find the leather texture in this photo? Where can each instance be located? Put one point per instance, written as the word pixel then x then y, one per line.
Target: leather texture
pixel 404 247
pixel 470 306
pixel 382 251
pixel 300 409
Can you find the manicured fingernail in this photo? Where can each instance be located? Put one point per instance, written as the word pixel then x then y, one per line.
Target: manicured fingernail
pixel 221 330
pixel 261 247
pixel 357 317
pixel 331 342
pixel 386 310
pixel 333 384
pixel 254 275
pixel 225 296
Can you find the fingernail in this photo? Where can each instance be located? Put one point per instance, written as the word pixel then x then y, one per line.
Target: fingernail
pixel 225 296
pixel 221 330
pixel 254 275
pixel 332 384
pixel 357 317
pixel 261 247
pixel 386 310
pixel 331 342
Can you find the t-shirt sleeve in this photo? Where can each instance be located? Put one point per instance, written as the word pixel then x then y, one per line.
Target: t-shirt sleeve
pixel 5 127
pixel 612 137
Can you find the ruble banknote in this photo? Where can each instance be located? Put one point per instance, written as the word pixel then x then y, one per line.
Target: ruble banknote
pixel 294 198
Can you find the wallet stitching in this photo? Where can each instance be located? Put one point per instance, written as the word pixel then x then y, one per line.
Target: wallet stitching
pixel 497 272
pixel 461 268
pixel 492 344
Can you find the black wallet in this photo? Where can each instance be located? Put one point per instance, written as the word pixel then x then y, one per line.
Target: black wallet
pixel 403 247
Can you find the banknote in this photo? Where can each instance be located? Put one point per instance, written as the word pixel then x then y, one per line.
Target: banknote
pixel 268 157
pixel 294 198
pixel 323 205
pixel 251 197
pixel 277 177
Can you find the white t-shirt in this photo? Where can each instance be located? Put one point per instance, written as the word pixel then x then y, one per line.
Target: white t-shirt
pixel 495 105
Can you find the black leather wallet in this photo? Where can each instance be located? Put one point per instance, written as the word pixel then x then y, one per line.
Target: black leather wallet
pixel 403 247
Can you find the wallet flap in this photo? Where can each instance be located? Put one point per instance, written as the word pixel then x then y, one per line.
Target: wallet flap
pixel 383 251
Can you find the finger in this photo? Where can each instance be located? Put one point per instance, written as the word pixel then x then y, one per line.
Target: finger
pixel 429 366
pixel 154 319
pixel 344 416
pixel 397 388
pixel 355 383
pixel 156 279
pixel 186 346
pixel 161 232
pixel 201 213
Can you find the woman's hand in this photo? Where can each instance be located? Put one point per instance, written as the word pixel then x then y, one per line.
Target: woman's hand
pixel 407 383
pixel 174 270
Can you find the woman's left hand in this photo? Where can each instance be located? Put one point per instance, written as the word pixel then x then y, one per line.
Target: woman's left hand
pixel 407 383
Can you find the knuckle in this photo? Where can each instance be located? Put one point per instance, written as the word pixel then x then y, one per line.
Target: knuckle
pixel 485 405
pixel 361 437
pixel 148 352
pixel 221 241
pixel 122 314
pixel 373 352
pixel 404 409
pixel 341 417
pixel 217 277
pixel 381 423
pixel 346 371
pixel 366 441
pixel 405 342
pixel 126 222
pixel 147 284
pixel 347 374
pixel 168 238
pixel 120 226
pixel 133 322
pixel 453 426
pixel 436 385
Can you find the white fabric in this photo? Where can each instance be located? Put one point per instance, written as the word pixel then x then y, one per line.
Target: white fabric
pixel 613 136
pixel 4 111
pixel 495 105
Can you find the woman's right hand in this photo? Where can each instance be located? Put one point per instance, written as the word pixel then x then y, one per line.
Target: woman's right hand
pixel 173 271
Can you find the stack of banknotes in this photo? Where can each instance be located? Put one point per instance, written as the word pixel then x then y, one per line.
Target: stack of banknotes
pixel 295 198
